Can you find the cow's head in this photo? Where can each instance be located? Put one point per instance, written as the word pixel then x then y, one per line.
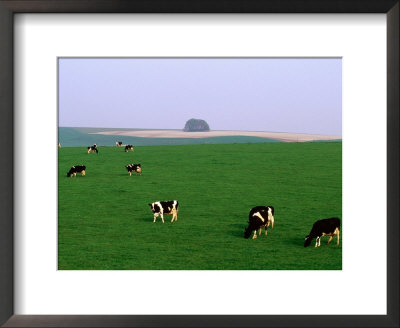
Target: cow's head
pixel 70 172
pixel 307 241
pixel 247 233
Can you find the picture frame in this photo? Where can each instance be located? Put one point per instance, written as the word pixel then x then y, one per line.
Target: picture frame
pixel 9 8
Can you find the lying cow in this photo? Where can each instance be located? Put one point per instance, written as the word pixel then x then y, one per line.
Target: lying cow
pixel 77 169
pixel 92 149
pixel 259 217
pixel 167 207
pixel 134 168
pixel 326 227
pixel 118 143
pixel 128 147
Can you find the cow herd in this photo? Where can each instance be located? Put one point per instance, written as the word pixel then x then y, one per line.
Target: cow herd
pixel 260 217
pixel 93 149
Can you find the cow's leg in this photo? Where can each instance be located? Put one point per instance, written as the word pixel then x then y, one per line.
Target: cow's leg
pixel 338 233
pixel 316 241
pixel 83 173
pixel 330 239
pixel 265 227
pixel 259 231
pixel 155 217
pixel 130 173
pixel 174 216
pixel 270 218
pixel 162 217
pixel 255 234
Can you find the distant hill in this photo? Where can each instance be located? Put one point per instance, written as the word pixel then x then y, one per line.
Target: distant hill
pixel 196 125
pixel 82 137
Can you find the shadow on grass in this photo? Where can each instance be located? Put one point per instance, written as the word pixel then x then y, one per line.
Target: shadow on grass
pixel 296 241
pixel 149 219
pixel 128 176
pixel 237 230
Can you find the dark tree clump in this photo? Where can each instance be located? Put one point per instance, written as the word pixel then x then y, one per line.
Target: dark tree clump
pixel 195 125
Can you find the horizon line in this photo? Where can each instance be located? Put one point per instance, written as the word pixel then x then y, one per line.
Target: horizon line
pixel 161 129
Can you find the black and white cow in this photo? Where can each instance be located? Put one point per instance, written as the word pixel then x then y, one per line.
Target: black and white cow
pixel 77 169
pixel 92 149
pixel 118 143
pixel 325 227
pixel 128 147
pixel 166 207
pixel 134 168
pixel 259 217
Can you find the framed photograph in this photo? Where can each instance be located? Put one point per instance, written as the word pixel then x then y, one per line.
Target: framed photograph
pixel 80 245
pixel 137 116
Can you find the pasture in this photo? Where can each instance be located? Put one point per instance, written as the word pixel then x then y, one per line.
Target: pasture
pixel 105 222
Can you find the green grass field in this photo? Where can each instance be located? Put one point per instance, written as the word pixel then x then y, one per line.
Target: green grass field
pixel 105 223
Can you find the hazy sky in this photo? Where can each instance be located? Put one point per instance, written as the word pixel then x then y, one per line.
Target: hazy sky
pixel 251 94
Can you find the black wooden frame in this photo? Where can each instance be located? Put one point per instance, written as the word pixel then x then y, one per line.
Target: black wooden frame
pixel 7 10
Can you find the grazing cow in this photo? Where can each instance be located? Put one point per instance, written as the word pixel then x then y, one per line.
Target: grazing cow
pixel 259 217
pixel 118 143
pixel 92 149
pixel 77 169
pixel 128 147
pixel 134 168
pixel 167 207
pixel 326 227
